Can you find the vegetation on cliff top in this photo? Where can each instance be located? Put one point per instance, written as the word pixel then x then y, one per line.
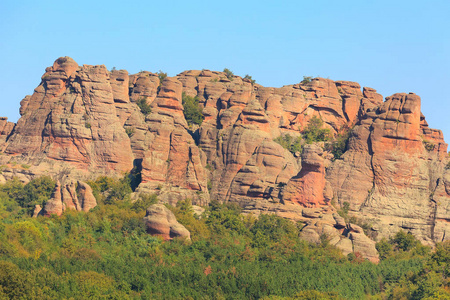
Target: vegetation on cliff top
pixel 106 253
pixel 315 132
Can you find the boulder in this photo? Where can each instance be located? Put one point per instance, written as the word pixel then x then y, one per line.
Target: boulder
pixel 160 221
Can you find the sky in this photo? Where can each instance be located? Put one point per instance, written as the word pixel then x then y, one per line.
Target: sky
pixel 392 46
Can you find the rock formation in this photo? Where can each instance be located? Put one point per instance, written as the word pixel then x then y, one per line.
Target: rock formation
pixel 160 221
pixel 309 188
pixel 77 197
pixel 85 121
pixel 392 168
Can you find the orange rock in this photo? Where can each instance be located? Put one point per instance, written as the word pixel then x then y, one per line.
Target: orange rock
pixel 391 168
pixel 307 187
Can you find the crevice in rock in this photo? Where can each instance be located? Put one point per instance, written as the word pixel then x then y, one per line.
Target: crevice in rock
pixel 135 174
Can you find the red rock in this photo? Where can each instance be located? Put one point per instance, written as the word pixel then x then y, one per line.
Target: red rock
pixel 307 188
pixel 160 221
pixel 5 130
pixel 86 199
pixel 54 206
pixel 172 158
pixel 71 118
pixel 387 175
pixel 66 197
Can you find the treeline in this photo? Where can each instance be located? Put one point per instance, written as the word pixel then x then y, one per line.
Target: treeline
pixel 107 254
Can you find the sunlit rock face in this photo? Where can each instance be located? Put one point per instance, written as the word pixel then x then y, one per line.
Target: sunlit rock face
pixel 85 121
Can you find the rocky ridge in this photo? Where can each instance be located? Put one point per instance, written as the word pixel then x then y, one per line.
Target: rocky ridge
pixel 85 121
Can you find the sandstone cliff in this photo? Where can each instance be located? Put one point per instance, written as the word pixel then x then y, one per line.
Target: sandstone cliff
pixel 85 121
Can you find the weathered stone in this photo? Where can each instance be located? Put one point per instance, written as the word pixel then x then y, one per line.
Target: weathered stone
pixel 160 221
pixel 54 206
pixel 307 188
pixel 86 198
pixel 391 169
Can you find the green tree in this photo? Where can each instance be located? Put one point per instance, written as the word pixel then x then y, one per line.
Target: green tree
pixel 161 76
pixel 143 106
pixel 192 110
pixel 249 78
pixel 306 79
pixel 314 131
pixel 228 73
pixel 404 241
pixel 38 191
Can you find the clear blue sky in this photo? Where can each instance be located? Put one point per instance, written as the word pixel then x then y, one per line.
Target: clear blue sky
pixel 392 46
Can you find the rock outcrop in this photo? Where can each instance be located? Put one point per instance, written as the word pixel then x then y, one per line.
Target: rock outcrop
pixel 160 221
pixel 5 130
pixel 86 121
pixel 309 188
pixel 392 168
pixel 73 196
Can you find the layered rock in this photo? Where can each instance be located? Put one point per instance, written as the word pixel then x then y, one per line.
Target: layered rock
pixel 172 160
pixel 71 117
pixel 309 187
pixel 84 121
pixel 322 224
pixel 160 221
pixel 66 196
pixel 5 130
pixel 390 171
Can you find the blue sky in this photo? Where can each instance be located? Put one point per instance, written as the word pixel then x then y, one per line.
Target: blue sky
pixel 392 46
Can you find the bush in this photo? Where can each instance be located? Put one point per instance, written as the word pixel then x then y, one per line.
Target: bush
pixel 38 191
pixel 161 76
pixel 225 218
pixel 144 201
pixel 129 131
pixel 429 146
pixel 228 73
pixel 293 144
pixel 339 145
pixel 404 241
pixel 314 131
pixel 109 190
pixel 384 249
pixel 306 79
pixel 192 110
pixel 249 78
pixel 143 105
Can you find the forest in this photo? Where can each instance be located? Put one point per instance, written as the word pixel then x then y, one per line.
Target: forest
pixel 107 254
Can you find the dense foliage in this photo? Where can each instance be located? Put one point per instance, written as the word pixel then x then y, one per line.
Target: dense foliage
pixel 107 254
pixel 314 131
pixel 192 110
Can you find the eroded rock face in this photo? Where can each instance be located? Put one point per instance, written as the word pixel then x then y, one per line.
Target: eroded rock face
pixel 160 221
pixel 390 171
pixel 309 187
pixel 172 160
pixel 5 130
pixel 84 121
pixel 77 197
pixel 71 118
